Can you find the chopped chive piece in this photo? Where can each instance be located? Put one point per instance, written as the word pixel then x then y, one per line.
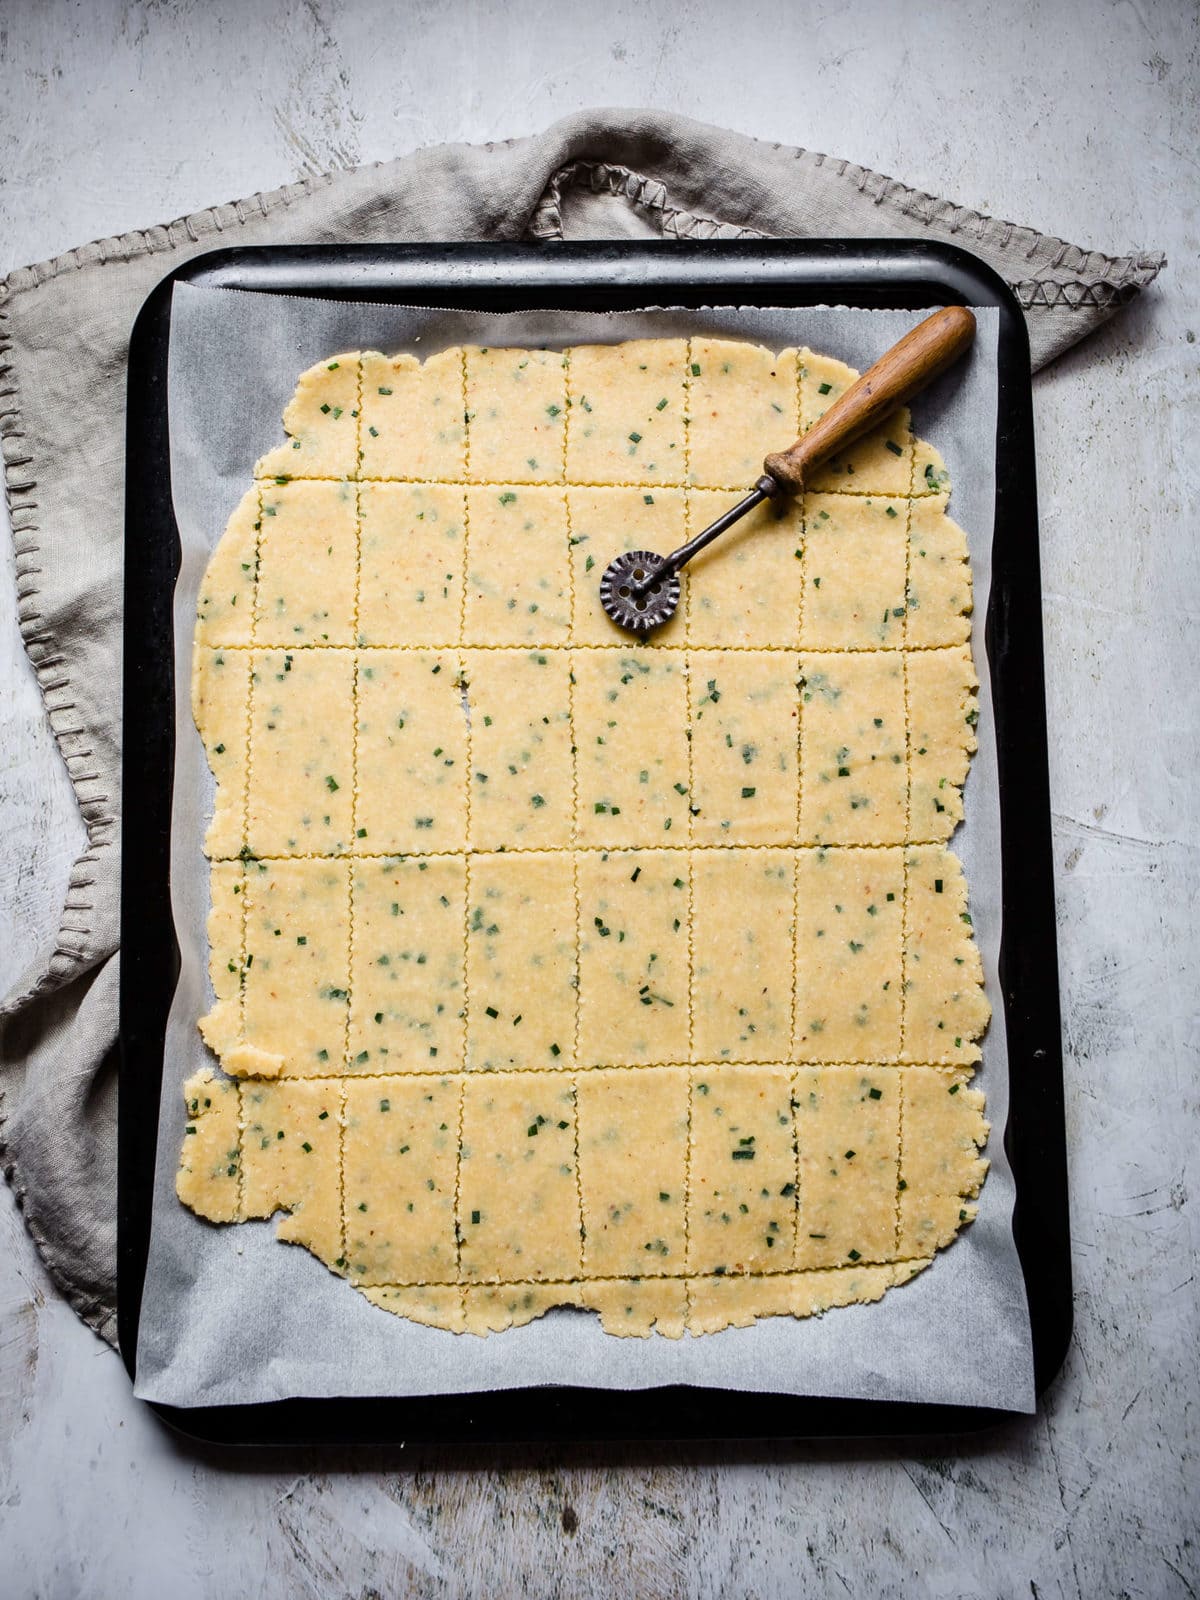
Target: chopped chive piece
pixel 823 388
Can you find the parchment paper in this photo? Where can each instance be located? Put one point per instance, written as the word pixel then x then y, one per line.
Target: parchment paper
pixel 229 1314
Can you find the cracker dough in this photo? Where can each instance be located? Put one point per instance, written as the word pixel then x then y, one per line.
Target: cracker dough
pixel 549 968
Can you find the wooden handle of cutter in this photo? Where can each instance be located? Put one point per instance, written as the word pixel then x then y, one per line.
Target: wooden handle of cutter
pixel 906 369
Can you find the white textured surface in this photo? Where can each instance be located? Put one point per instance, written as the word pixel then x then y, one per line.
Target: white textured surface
pixel 1078 117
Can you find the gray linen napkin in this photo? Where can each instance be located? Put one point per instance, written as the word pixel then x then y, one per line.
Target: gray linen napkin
pixel 64 329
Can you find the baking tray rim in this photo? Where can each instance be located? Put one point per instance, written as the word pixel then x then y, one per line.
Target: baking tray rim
pixel 604 275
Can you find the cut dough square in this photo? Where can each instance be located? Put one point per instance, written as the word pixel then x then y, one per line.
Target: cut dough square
pixel 854 564
pixel 521 961
pixel 411 752
pixel 301 752
pixel 854 785
pixel 412 423
pixel 745 589
pixel 939 575
pixel 410 586
pixel 946 1010
pixel 942 1171
pixel 633 957
pixel 321 421
pixel 225 604
pixel 848 1134
pixel 633 1149
pixel 220 691
pixel 401 1164
pixel 434 1305
pixel 627 409
pixel 848 984
pixel 494 1308
pixel 745 721
pixel 742 944
pixel 633 777
pixel 930 473
pixel 407 973
pixel 522 778
pixel 743 402
pixel 517 404
pixel 518 567
pixel 209 1175
pixel 942 716
pixel 290 1138
pixel 222 1027
pixel 715 1303
pixel 296 987
pixel 605 522
pixel 518 1208
pixel 878 463
pixel 636 1307
pixel 743 1171
pixel 308 553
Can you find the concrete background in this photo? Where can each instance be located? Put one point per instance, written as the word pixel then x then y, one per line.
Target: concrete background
pixel 1080 118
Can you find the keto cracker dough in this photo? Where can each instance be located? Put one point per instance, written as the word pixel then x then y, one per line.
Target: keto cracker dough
pixel 549 967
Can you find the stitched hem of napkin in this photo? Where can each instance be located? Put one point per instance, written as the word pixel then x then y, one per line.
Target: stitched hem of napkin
pixel 72 950
pixel 1102 279
pixel 88 1306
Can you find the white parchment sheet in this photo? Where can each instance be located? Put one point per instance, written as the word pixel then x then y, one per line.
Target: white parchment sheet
pixel 230 1315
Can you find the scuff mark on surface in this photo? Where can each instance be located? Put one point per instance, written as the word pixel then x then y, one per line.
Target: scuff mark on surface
pixel 18 1365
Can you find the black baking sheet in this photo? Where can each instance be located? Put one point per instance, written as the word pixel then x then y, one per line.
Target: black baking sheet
pixel 612 277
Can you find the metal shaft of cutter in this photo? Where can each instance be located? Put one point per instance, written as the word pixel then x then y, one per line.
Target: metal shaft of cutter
pixel 765 489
